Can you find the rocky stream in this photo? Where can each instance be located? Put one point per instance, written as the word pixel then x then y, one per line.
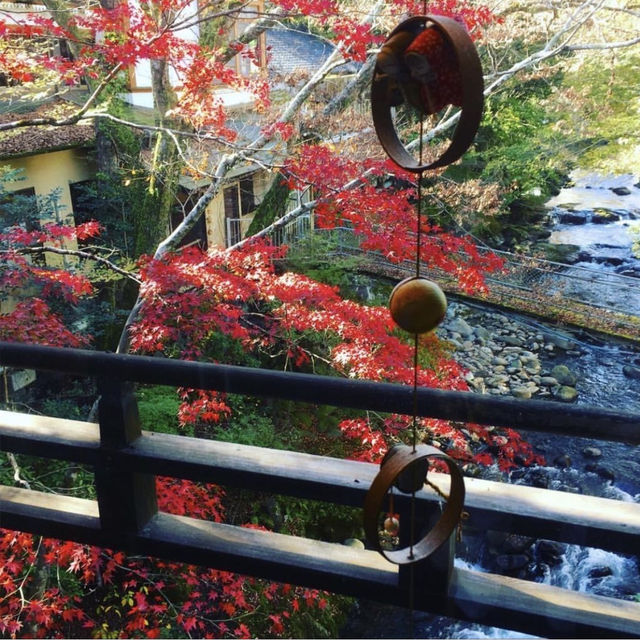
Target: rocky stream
pixel 511 354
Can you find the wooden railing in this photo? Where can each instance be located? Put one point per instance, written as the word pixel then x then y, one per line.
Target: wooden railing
pixel 125 515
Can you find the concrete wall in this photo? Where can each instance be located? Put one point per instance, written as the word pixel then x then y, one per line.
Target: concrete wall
pixel 56 170
pixel 47 172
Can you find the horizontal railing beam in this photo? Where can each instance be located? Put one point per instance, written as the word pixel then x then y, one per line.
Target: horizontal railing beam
pixel 472 596
pixel 534 415
pixel 590 521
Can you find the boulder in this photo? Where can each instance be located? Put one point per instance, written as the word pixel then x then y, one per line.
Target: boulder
pixel 481 333
pixel 566 394
pixel 604 216
pixel 600 571
pixel 604 472
pixel 563 375
pixel 496 538
pixel 538 478
pixel 460 325
pixel 631 371
pixel 585 256
pixel 563 461
pixel 572 217
pixel 591 452
pixel 550 552
pixel 523 393
pixel 565 253
pixel 559 341
pixel 611 260
pixel 621 191
pixel 514 543
pixel 548 381
pixel 512 340
pixel 512 562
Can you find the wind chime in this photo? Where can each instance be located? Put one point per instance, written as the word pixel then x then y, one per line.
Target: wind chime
pixel 427 63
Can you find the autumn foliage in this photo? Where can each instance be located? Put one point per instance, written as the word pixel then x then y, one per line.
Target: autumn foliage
pixel 92 592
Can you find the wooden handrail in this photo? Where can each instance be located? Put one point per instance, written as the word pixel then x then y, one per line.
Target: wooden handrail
pixel 533 415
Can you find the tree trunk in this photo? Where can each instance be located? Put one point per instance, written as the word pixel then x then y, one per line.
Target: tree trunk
pixel 153 221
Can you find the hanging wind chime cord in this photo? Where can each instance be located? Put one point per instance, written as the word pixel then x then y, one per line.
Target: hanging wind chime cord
pixel 416 344
pixel 418 270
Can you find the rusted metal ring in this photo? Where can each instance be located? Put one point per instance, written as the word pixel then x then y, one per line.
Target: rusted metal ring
pixel 472 95
pixel 381 484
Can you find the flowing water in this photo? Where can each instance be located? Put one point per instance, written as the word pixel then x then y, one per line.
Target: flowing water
pixel 598 364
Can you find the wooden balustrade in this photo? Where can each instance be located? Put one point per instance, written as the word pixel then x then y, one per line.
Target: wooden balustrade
pixel 126 459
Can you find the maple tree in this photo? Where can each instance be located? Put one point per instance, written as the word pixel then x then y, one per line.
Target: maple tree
pixel 207 305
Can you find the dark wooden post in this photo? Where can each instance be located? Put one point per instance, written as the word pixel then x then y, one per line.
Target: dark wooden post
pixel 126 500
pixel 431 575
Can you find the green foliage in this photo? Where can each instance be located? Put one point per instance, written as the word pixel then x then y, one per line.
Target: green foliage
pixel 325 256
pixel 604 87
pixel 518 147
pixel 249 425
pixel 272 207
pixel 318 520
pixel 158 408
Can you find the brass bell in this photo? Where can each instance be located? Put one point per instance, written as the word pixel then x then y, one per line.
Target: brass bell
pixel 417 305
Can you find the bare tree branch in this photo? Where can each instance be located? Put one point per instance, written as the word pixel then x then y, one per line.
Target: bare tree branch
pixel 18 479
pixel 85 255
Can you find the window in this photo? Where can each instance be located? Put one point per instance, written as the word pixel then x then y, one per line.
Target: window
pixel 239 200
pixel 19 207
pixel 82 204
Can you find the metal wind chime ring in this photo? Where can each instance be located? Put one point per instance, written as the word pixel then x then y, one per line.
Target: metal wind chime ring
pixel 427 62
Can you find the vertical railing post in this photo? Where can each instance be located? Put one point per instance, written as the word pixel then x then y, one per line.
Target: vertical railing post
pixel 126 499
pixel 431 575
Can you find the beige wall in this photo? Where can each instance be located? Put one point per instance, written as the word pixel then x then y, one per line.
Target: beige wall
pixel 215 222
pixel 215 219
pixel 56 170
pixel 46 172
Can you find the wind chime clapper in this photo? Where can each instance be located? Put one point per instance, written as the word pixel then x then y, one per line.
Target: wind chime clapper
pixel 427 62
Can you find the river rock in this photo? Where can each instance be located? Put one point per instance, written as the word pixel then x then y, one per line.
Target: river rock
pixel 548 381
pixel 563 461
pixel 566 394
pixel 600 571
pixel 460 325
pixel 563 375
pixel 481 333
pixel 512 562
pixel 538 478
pixel 604 216
pixel 621 191
pixel 591 452
pixel 565 253
pixel 523 393
pixel 512 340
pixel 604 472
pixel 550 551
pixel 514 543
pixel 631 371
pixel 614 260
pixel 559 341
pixel 572 217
